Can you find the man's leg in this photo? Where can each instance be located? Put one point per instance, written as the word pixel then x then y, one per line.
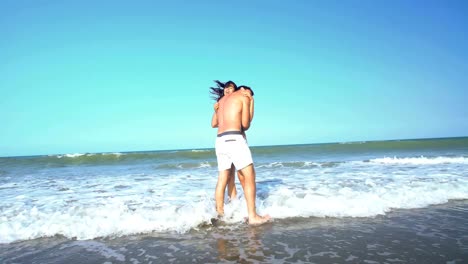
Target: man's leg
pixel 223 177
pixel 231 185
pixel 247 175
pixel 241 180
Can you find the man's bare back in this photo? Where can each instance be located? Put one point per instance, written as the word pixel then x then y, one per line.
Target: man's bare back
pixel 233 112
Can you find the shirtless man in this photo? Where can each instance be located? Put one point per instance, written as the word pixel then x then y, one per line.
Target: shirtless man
pixel 231 147
pixel 228 89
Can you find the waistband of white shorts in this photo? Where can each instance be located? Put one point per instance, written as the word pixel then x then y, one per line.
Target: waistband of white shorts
pixel 230 133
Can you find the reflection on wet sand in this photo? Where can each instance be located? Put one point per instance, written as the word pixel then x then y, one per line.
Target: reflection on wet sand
pixel 245 244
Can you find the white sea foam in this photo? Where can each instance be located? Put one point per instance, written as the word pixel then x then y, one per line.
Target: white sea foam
pixel 75 155
pixel 279 164
pixel 118 154
pixel 421 160
pixel 352 142
pixel 271 165
pixel 88 202
pixel 111 217
pixel 104 206
pixel 339 200
pixel 204 165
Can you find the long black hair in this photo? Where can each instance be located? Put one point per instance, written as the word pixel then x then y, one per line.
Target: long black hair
pixel 218 92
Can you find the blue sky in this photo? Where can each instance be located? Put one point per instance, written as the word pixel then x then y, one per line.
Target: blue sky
pixel 104 76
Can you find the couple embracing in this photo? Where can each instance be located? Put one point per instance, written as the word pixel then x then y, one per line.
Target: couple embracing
pixel 233 114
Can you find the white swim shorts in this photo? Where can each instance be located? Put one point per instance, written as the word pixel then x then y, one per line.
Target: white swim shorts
pixel 231 147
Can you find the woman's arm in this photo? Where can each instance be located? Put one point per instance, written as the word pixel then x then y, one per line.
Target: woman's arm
pixel 245 120
pixel 214 118
pixel 250 97
pixel 251 108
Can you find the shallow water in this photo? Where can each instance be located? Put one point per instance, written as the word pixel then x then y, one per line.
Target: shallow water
pixel 437 234
pixel 85 196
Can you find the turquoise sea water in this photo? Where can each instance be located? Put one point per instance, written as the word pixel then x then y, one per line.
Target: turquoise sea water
pixel 92 196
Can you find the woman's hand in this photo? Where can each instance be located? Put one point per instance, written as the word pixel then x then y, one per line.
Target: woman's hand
pixel 247 94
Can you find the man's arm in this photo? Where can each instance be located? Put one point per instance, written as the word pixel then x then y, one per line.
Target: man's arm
pixel 245 113
pixel 248 95
pixel 214 120
pixel 251 108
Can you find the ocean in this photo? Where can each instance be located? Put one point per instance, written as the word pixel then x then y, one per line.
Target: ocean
pixel 399 201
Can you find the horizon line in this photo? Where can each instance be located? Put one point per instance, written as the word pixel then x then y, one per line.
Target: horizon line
pixel 204 148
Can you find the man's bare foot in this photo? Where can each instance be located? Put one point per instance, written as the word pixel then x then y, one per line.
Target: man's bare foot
pixel 258 220
pixel 216 220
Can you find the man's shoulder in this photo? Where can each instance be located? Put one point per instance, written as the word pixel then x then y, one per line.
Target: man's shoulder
pixel 239 96
pixel 222 100
pixel 243 98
